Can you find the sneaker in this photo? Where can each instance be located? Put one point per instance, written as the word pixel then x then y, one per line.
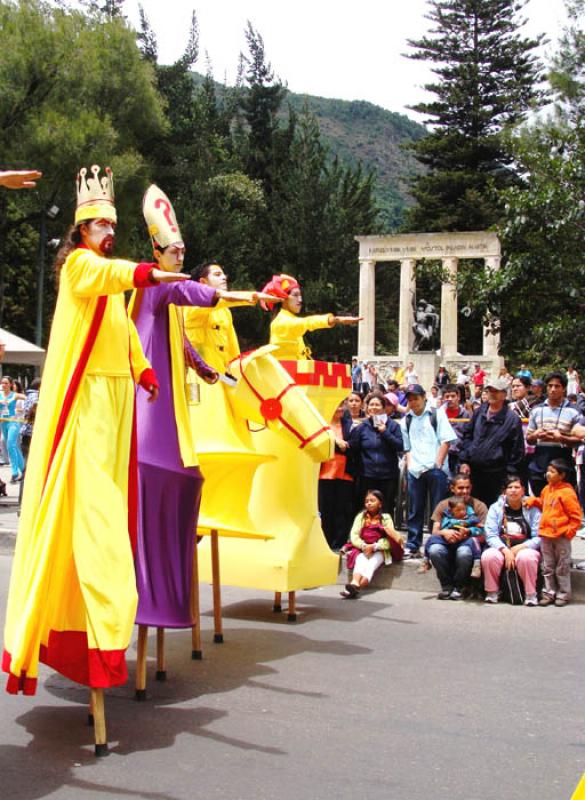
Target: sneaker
pixel 546 600
pixel 580 565
pixel 445 594
pixel 408 554
pixel 492 597
pixel 456 595
pixel 531 600
pixel 560 601
pixel 476 569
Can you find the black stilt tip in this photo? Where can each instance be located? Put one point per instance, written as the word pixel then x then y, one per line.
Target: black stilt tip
pixel 218 638
pixel 276 609
pixel 161 675
pixel 196 655
pixel 90 720
pixel 102 750
pixel 291 617
pixel 140 695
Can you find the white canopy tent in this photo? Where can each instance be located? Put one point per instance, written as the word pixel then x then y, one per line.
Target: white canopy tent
pixel 14 350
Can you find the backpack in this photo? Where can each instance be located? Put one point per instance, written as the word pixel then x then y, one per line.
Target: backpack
pixel 433 420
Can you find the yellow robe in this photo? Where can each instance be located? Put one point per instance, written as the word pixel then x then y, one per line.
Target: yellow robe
pixel 287 331
pixel 211 332
pixel 72 597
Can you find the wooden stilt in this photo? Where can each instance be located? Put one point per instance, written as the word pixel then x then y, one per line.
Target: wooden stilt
pixel 277 607
pixel 217 623
pixel 140 693
pixel 99 715
pixel 292 607
pixel 161 673
pixel 196 652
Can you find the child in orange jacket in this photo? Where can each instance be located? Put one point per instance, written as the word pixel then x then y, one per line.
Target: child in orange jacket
pixel 560 521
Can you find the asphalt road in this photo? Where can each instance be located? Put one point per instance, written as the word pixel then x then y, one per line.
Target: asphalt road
pixel 396 696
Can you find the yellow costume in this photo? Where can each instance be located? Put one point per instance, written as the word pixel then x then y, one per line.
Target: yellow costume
pixel 72 595
pixel 287 331
pixel 211 332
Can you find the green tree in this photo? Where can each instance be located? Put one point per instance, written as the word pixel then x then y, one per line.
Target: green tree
pixel 73 91
pixel 487 79
pixel 539 291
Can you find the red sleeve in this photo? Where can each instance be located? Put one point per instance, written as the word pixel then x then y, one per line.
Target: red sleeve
pixel 148 379
pixel 142 276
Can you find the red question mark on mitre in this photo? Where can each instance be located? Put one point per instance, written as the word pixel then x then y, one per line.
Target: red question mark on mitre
pixel 167 212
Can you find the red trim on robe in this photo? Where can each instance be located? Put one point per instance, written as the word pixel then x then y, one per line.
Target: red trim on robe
pixel 76 377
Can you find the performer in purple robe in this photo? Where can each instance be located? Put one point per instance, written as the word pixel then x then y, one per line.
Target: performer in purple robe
pixel 170 481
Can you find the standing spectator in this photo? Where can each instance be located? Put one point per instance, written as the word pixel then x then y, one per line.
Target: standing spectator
pixel 537 393
pixel 452 562
pixel 511 531
pixel 572 381
pixel 11 429
pixel 394 388
pixel 463 378
pixel 478 378
pixel 356 375
pixel 427 435
pixel 550 429
pixel 520 405
pixel 561 519
pixel 435 398
pixel 29 411
pixel 505 375
pixel 524 372
pixel 376 444
pixel 493 443
pixel 336 486
pixel 410 375
pixel 442 378
pixel 354 409
pixel 459 418
pixel 372 376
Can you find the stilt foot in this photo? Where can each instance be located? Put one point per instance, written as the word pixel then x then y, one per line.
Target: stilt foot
pixel 161 675
pixel 102 750
pixel 196 655
pixel 291 617
pixel 140 695
pixel 218 638
pixel 276 609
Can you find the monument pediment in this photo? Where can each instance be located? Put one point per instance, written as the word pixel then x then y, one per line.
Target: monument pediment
pixel 473 244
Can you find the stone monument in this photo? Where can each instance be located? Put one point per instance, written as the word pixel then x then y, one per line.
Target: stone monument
pixel 415 339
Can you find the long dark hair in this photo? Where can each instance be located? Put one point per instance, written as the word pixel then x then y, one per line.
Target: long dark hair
pixel 71 241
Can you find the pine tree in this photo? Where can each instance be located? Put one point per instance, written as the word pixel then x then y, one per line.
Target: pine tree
pixel 487 79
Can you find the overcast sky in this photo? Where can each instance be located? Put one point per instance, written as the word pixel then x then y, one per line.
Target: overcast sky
pixel 331 48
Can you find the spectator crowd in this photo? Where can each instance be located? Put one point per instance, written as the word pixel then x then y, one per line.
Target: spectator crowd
pixel 491 467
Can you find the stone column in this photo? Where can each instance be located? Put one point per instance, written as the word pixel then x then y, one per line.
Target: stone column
pixel 367 310
pixel 449 309
pixel 406 315
pixel 491 341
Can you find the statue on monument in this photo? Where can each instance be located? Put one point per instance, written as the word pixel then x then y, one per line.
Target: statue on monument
pixel 425 326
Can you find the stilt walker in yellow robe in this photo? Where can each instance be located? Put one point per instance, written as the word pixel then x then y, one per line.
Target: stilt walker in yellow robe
pixel 72 598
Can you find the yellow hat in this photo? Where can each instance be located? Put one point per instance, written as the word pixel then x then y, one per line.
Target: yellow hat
pixel 95 196
pixel 160 217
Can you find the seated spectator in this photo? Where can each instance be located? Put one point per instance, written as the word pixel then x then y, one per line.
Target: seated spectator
pixel 373 542
pixel 493 443
pixel 459 417
pixel 511 532
pixel 449 552
pixel 561 519
pixel 376 444
pixel 458 516
pixel 336 485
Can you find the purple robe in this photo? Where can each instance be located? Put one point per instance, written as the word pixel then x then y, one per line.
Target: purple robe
pixel 169 493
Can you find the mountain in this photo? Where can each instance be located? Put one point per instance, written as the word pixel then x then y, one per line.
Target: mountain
pixel 361 131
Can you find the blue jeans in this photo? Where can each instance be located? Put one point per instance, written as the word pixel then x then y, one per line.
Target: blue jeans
pixel 453 563
pixel 432 483
pixel 10 432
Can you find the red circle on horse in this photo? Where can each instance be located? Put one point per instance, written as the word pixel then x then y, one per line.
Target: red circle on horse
pixel 271 408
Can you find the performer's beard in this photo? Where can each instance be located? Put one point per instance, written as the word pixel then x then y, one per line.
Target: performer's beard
pixel 107 245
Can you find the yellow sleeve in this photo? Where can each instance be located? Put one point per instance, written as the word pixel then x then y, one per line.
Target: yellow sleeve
pixel 196 320
pixel 90 275
pixel 138 361
pixel 233 345
pixel 318 321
